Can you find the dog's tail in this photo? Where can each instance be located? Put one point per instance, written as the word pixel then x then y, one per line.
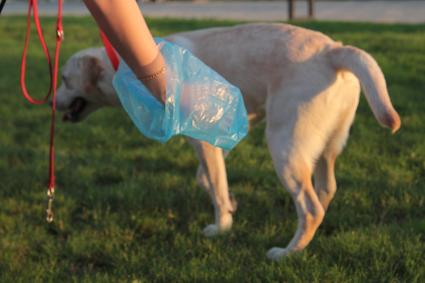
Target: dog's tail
pixel 365 68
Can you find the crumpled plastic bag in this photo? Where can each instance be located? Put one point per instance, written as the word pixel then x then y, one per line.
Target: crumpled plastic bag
pixel 199 102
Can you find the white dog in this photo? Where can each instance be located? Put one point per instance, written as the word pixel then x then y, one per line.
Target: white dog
pixel 304 84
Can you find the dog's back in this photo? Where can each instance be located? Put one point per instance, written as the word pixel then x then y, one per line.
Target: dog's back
pixel 268 49
pixel 261 57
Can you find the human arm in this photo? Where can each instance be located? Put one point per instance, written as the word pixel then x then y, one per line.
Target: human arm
pixel 124 25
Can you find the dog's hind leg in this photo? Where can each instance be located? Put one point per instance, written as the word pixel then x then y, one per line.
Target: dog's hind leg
pixel 324 179
pixel 295 140
pixel 295 175
pixel 324 174
pixel 212 177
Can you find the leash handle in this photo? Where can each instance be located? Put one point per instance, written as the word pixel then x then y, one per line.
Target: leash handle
pixel 53 72
pixel 33 7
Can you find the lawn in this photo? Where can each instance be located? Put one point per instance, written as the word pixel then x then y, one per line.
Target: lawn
pixel 128 209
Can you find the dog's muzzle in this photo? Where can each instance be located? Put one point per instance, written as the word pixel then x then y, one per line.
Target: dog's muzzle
pixel 77 106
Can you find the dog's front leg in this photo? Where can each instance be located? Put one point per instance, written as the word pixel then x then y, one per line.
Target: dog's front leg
pixel 212 177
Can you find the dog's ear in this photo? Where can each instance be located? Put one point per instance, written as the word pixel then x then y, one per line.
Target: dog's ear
pixel 92 71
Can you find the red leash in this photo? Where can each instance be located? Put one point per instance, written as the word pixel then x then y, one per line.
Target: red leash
pixel 53 70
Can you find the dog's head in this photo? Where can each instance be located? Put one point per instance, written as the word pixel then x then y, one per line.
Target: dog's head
pixel 86 85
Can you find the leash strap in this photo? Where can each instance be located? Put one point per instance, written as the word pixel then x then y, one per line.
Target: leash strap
pixel 110 51
pixel 53 71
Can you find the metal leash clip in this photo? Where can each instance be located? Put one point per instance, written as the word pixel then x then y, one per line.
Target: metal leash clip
pixel 50 197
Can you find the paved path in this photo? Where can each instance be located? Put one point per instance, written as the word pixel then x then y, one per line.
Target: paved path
pixel 404 11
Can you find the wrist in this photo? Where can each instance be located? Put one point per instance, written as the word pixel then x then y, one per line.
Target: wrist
pixel 152 70
pixel 152 76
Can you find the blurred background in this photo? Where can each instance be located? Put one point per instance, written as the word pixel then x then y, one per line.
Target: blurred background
pixel 385 11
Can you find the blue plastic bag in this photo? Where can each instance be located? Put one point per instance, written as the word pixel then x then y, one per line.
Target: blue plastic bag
pixel 199 102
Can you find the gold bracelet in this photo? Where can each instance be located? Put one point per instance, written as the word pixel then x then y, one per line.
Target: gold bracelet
pixel 153 76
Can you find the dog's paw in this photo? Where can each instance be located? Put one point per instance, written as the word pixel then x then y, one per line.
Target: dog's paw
pixel 225 224
pixel 214 230
pixel 277 253
pixel 211 231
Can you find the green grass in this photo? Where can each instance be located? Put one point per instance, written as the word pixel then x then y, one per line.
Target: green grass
pixel 128 209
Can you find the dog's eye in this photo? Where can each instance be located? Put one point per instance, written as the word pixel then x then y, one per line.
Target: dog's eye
pixel 65 81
